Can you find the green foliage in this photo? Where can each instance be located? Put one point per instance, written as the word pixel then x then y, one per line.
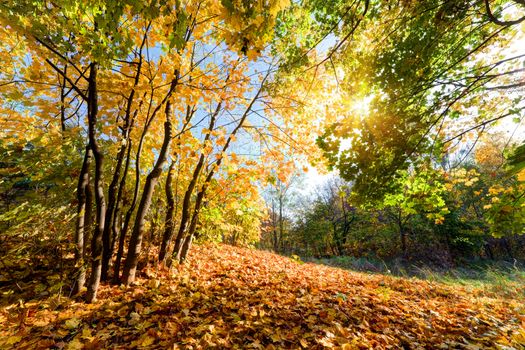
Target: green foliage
pixel 418 192
pixel 443 216
pixel 92 29
pixel 516 161
pixel 405 60
pixel 36 210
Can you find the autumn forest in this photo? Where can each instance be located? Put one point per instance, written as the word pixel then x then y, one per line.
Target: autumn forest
pixel 262 174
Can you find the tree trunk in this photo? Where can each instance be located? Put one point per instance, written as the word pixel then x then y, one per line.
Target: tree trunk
pixel 110 231
pixel 109 219
pixel 402 234
pixel 275 237
pixel 118 231
pixel 338 240
pixel 131 209
pixel 181 254
pixel 403 237
pixel 281 222
pixel 185 216
pixel 151 240
pixel 63 102
pixel 96 245
pixel 170 209
pixel 135 244
pixel 186 202
pixel 488 250
pixel 185 248
pixel 83 220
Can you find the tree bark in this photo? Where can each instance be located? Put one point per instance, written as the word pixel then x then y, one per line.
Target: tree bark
pixel 135 244
pixel 118 232
pixel 170 209
pixel 109 218
pixel 96 244
pixel 403 237
pixel 83 220
pixel 186 202
pixel 183 251
pixel 274 229
pixel 131 209
pixel 109 234
pixel 181 255
pixel 63 102
pixel 281 221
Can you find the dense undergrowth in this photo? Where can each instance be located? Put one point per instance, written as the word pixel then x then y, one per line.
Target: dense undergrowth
pixel 228 297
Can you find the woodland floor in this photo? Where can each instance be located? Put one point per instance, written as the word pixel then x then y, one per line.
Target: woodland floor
pixel 227 297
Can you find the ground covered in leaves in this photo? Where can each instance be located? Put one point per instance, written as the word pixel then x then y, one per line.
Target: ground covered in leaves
pixel 227 297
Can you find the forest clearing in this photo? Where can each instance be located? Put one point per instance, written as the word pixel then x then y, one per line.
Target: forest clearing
pixel 271 174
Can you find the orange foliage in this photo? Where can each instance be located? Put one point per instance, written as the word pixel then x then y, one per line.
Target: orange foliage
pixel 228 297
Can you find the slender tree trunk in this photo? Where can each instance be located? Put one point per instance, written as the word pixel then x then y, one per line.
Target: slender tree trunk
pixel 488 251
pixel 403 237
pixel 185 217
pixel 448 244
pixel 88 221
pixel 109 235
pixel 281 222
pixel 82 212
pixel 275 240
pixel 63 102
pixel 117 231
pixel 121 232
pixel 173 203
pixel 275 237
pixel 181 254
pixel 333 249
pixel 170 209
pixel 109 218
pixel 96 244
pixel 186 202
pixel 135 244
pixel 151 240
pixel 185 248
pixel 402 234
pixel 338 240
pixel 131 209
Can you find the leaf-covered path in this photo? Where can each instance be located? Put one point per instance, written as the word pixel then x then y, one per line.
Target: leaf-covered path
pixel 227 297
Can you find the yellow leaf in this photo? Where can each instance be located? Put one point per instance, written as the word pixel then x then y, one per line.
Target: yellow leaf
pixel 12 340
pixel 252 54
pixel 86 334
pixel 72 323
pixel 123 311
pixel 75 344
pixel 154 283
pixel 146 340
